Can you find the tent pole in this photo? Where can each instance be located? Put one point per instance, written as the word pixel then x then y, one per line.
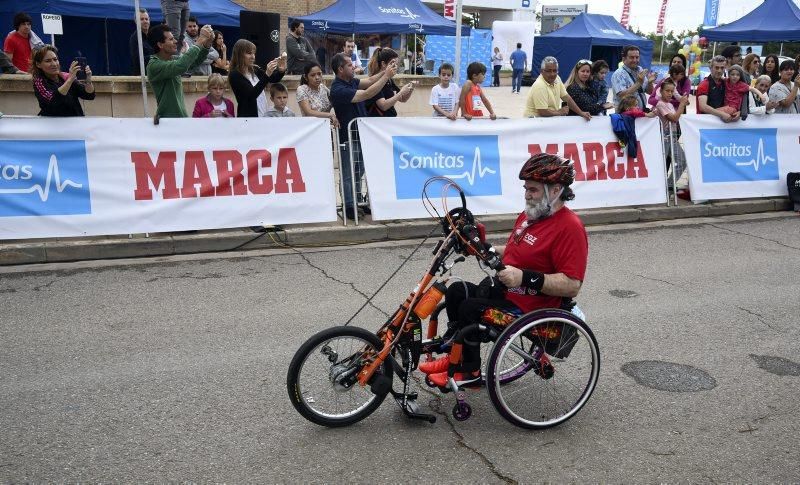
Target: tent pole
pixel 781 53
pixel 108 59
pixel 141 57
pixel 714 50
pixel 661 54
pixel 457 74
pixel 414 57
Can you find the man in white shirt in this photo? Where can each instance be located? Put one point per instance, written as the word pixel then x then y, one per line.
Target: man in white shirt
pixel 351 52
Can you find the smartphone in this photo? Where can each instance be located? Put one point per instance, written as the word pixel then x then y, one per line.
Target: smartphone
pixel 81 75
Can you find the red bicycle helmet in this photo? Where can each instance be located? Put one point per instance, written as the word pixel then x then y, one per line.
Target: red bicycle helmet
pixel 548 169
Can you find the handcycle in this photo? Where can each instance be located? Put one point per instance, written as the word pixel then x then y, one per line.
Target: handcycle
pixel 541 370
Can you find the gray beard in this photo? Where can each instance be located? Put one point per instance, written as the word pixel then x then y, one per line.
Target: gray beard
pixel 537 210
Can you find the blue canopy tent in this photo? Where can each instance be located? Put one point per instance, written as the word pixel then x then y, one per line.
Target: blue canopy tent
pixel 100 29
pixel 588 36
pixel 385 17
pixel 772 21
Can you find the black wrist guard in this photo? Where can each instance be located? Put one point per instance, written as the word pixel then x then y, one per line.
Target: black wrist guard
pixel 533 281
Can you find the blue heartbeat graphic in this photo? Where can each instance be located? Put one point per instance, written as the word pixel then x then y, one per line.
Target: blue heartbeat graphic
pixel 477 166
pixel 53 176
pixel 760 160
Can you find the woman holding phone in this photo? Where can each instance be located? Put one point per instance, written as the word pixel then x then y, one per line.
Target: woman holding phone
pixel 248 80
pixel 59 92
pixel 382 104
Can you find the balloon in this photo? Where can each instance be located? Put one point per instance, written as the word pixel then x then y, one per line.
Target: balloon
pixel 691 70
pixel 692 57
pixel 695 39
pixel 687 41
pixel 697 49
pixel 682 52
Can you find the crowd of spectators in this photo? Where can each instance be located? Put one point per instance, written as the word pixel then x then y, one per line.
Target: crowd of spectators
pixel 735 88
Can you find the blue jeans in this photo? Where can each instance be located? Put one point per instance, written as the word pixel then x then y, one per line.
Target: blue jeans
pixel 516 79
pixel 176 15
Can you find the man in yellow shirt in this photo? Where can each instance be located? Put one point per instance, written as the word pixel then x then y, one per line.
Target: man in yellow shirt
pixel 548 92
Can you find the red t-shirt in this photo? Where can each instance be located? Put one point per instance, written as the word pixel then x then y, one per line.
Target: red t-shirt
pixel 702 90
pixel 20 48
pixel 555 244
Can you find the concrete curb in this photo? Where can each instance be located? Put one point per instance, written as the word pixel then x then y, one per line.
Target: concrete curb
pixel 81 249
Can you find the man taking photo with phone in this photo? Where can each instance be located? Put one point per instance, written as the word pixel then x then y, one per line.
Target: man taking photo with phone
pixel 164 72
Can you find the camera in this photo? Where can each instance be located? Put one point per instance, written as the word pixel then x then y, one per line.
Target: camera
pixel 81 75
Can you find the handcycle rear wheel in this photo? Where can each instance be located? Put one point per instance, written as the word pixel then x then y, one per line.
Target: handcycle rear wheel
pixel 561 372
pixel 322 381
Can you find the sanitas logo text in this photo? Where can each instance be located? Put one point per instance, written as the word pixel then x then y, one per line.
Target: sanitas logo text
pixel 731 150
pixel 16 172
pixel 437 160
pixel 403 12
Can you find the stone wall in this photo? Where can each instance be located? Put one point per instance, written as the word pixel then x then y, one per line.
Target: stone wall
pixel 121 96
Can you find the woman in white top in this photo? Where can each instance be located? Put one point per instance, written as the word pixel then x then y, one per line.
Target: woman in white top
pixel 497 63
pixel 313 96
pixel 757 105
pixel 784 91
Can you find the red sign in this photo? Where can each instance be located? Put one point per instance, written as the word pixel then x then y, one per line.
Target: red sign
pixel 450 9
pixel 597 161
pixel 626 12
pixel 252 173
pixel 660 27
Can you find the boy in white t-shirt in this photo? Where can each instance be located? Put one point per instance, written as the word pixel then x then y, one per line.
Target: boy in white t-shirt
pixel 444 96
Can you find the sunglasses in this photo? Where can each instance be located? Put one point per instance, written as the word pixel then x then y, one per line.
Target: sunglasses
pixel 584 62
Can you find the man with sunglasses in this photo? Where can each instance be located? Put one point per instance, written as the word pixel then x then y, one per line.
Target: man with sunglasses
pixel 545 264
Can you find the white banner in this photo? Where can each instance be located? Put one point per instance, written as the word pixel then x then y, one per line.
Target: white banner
pixel 100 176
pixel 743 159
pixel 484 157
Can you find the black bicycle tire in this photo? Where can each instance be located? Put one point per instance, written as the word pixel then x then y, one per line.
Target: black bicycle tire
pixel 512 330
pixel 292 384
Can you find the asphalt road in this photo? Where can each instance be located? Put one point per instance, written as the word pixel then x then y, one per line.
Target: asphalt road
pixel 174 369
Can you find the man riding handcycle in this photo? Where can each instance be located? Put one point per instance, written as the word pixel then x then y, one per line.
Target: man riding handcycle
pixel 544 363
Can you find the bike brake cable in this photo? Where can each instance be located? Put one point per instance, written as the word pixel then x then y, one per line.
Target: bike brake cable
pixel 403 263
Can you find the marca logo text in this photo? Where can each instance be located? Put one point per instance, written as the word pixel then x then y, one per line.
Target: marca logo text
pixel 739 155
pixel 472 161
pixel 43 177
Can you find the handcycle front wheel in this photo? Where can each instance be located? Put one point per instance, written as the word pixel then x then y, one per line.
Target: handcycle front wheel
pixel 322 381
pixel 562 366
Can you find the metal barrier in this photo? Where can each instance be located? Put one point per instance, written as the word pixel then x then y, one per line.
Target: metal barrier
pixel 677 166
pixel 357 188
pixel 336 146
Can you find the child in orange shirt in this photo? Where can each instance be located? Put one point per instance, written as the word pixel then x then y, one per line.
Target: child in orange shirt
pixel 472 100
